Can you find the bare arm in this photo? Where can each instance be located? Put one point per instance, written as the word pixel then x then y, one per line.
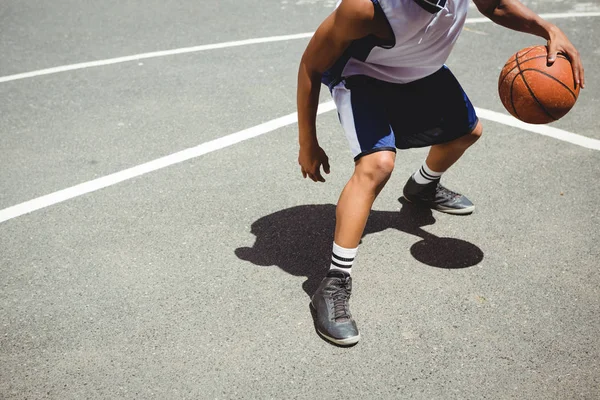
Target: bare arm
pixel 515 15
pixel 353 19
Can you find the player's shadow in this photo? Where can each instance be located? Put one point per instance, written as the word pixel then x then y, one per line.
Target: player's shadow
pixel 298 240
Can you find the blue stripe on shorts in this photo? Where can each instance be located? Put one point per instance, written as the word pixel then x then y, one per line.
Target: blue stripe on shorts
pixel 377 115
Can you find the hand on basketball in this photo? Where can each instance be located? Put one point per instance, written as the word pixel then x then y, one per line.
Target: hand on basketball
pixel 310 159
pixel 559 43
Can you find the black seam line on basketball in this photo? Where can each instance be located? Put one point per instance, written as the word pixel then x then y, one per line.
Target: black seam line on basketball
pixel 516 55
pixel 341 265
pixel 529 51
pixel 533 58
pixel 342 258
pixel 524 54
pixel 531 91
pixel 512 84
pixel 544 109
pixel 512 102
pixel 554 78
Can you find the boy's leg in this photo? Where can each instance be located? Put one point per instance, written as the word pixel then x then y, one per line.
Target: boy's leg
pixel 423 186
pixel 371 173
pixel 443 118
pixel 331 300
pixel 443 156
pixel 361 110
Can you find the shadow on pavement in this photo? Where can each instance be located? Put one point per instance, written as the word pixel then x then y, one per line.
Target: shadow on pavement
pixel 298 240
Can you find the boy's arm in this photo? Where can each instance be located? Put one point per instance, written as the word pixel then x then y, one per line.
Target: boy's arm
pixel 515 15
pixel 353 19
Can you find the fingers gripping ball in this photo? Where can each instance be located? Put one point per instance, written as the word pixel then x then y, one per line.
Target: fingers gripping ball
pixel 534 92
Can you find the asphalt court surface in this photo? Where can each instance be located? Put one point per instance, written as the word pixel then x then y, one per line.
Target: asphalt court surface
pixel 193 281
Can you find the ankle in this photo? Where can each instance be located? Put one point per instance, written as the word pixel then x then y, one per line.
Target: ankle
pixel 342 259
pixel 425 175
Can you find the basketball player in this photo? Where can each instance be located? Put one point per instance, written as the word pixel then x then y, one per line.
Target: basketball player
pixel 383 61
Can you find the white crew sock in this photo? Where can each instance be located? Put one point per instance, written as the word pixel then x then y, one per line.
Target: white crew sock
pixel 342 259
pixel 425 175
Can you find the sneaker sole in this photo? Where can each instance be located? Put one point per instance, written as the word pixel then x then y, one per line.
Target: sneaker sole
pixel 454 211
pixel 342 342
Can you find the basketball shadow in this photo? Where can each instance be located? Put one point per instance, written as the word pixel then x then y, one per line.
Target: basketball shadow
pixel 298 240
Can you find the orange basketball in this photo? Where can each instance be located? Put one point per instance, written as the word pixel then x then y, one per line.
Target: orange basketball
pixel 534 92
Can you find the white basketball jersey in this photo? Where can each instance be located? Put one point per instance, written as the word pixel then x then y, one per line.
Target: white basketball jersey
pixel 423 42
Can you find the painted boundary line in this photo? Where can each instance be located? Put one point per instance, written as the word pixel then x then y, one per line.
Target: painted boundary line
pixel 544 130
pixel 229 140
pixel 194 49
pixel 154 165
pixel 226 141
pixel 154 54
pixel 545 16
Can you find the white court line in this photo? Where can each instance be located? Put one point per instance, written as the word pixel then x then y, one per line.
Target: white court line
pixel 545 16
pixel 229 140
pixel 110 180
pixel 545 130
pixel 154 54
pixel 142 169
pixel 194 49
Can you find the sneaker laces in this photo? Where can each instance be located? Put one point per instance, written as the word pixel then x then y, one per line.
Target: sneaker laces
pixel 447 193
pixel 340 300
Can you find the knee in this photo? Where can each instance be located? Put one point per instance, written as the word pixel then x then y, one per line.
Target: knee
pixel 466 141
pixel 376 167
pixel 476 132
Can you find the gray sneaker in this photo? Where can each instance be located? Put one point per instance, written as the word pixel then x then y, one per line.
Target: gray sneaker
pixel 437 197
pixel 330 302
